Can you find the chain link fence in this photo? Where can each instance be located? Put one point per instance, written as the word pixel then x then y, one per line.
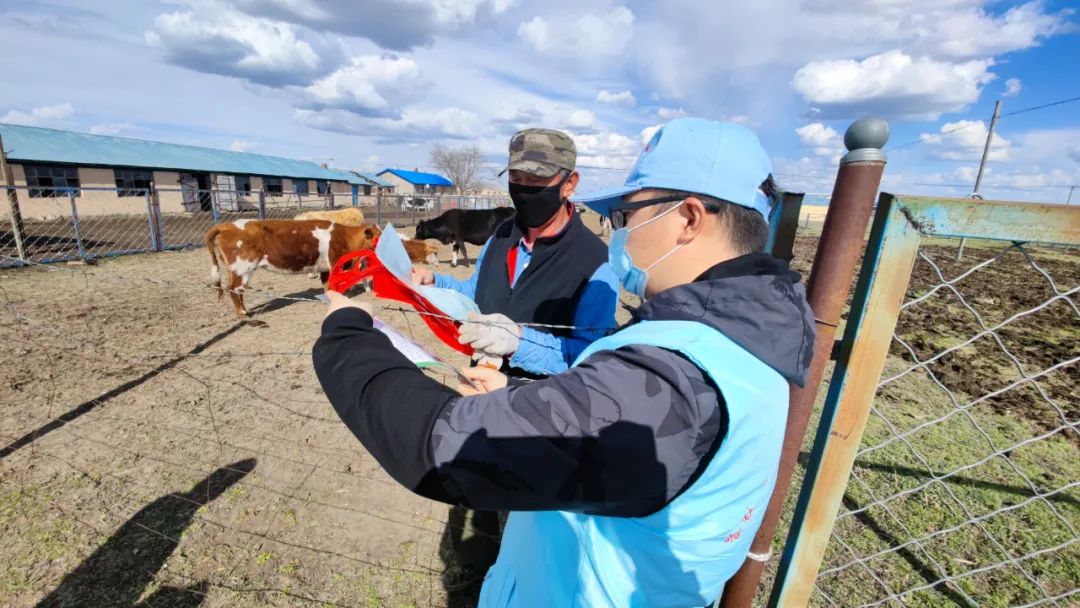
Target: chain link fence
pixel 66 224
pixel 965 487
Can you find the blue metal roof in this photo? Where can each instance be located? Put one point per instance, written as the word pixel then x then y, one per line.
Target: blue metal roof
pixel 374 179
pixel 35 144
pixel 419 178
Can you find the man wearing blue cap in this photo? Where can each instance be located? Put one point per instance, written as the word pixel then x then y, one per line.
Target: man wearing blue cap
pixel 639 476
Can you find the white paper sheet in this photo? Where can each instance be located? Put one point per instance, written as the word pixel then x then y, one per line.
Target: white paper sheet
pixel 419 356
pixel 391 252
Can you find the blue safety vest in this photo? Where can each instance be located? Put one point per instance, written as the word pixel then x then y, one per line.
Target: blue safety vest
pixel 683 554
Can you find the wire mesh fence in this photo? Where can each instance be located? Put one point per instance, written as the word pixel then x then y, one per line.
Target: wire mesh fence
pixel 965 489
pixel 64 224
pixel 153 448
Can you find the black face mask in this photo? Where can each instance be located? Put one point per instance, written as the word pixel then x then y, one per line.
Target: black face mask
pixel 536 204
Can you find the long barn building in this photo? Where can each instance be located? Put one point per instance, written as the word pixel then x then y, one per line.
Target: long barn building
pixel 110 174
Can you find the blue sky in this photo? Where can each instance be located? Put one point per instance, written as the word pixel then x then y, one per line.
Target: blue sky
pixel 365 85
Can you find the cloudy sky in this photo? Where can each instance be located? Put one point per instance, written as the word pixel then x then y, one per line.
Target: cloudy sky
pixel 367 84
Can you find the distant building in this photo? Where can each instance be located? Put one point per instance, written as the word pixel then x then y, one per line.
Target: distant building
pixel 109 174
pixel 370 184
pixel 416 182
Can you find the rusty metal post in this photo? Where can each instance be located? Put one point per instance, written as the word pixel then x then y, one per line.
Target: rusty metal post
pixel 828 288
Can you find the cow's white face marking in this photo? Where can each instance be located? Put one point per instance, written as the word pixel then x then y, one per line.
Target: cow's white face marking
pixel 322 235
pixel 241 223
pixel 239 244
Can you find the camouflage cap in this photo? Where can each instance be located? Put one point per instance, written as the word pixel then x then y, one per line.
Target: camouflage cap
pixel 542 152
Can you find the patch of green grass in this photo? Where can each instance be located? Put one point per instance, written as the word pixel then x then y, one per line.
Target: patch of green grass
pixel 941 513
pixel 264 557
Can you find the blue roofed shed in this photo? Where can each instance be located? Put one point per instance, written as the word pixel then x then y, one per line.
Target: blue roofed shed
pixel 410 182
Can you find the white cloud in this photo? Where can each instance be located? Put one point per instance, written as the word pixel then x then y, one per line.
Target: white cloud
pixel 241 145
pixel 606 150
pixel 113 128
pixel 616 97
pixel 414 125
pixel 370 85
pixel 41 116
pixel 1013 86
pixel 391 24
pixel 230 43
pixel 973 32
pixel 823 140
pixel 581 119
pixel 964 140
pixel 892 84
pixel 739 119
pixel 666 114
pixel 588 36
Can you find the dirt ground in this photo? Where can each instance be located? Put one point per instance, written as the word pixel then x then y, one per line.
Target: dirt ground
pixel 160 453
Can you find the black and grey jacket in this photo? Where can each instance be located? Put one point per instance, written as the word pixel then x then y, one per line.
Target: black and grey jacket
pixel 560 443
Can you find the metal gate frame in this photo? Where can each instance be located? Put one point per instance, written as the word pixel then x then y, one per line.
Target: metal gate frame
pixel 900 224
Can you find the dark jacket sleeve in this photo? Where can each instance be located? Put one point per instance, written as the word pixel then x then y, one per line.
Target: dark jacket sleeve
pixel 385 400
pixel 621 434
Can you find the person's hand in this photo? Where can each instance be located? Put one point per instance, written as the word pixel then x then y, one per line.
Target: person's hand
pixel 485 378
pixel 493 335
pixel 423 276
pixel 338 301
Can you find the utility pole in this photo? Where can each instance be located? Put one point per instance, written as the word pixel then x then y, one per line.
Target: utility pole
pixel 982 165
pixel 1069 200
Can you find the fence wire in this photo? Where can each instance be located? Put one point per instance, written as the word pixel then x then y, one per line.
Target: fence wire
pixel 140 419
pixel 966 488
pixel 61 224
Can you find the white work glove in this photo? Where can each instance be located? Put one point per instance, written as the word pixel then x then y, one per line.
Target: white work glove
pixel 494 335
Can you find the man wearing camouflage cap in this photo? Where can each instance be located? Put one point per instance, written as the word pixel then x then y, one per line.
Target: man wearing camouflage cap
pixel 640 476
pixel 544 267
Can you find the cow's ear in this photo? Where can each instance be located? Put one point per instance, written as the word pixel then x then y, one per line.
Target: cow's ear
pixel 369 233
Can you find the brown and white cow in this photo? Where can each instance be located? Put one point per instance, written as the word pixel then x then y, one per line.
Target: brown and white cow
pixel 288 246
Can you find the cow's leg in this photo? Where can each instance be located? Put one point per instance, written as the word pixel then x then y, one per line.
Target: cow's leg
pixel 324 276
pixel 236 293
pixel 464 253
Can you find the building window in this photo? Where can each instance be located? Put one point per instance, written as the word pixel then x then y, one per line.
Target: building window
pixel 272 185
pixel 300 186
pixel 132 182
pixel 322 186
pixel 367 190
pixel 53 180
pixel 243 184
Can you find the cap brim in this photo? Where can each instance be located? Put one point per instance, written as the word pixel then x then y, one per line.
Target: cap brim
pixel 601 201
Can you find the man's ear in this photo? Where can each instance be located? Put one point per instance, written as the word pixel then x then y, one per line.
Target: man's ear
pixel 695 215
pixel 570 184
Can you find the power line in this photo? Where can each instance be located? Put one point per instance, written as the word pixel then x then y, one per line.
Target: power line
pixel 972 124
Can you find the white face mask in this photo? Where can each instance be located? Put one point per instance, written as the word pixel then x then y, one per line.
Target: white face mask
pixel 633 278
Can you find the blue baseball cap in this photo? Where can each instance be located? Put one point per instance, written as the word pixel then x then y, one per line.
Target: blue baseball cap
pixel 718 159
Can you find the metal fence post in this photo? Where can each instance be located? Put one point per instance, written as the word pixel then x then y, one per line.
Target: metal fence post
pixel 828 288
pixel 14 213
pixel 214 206
pixel 329 199
pixel 262 204
pixel 378 208
pixel 150 222
pixel 75 224
pixel 155 212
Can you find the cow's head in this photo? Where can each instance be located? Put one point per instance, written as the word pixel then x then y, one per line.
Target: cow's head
pixel 362 237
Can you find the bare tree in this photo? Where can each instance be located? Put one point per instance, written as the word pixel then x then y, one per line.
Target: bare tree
pixel 461 165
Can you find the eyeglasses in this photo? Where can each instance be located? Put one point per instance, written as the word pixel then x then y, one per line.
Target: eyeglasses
pixel 620 215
